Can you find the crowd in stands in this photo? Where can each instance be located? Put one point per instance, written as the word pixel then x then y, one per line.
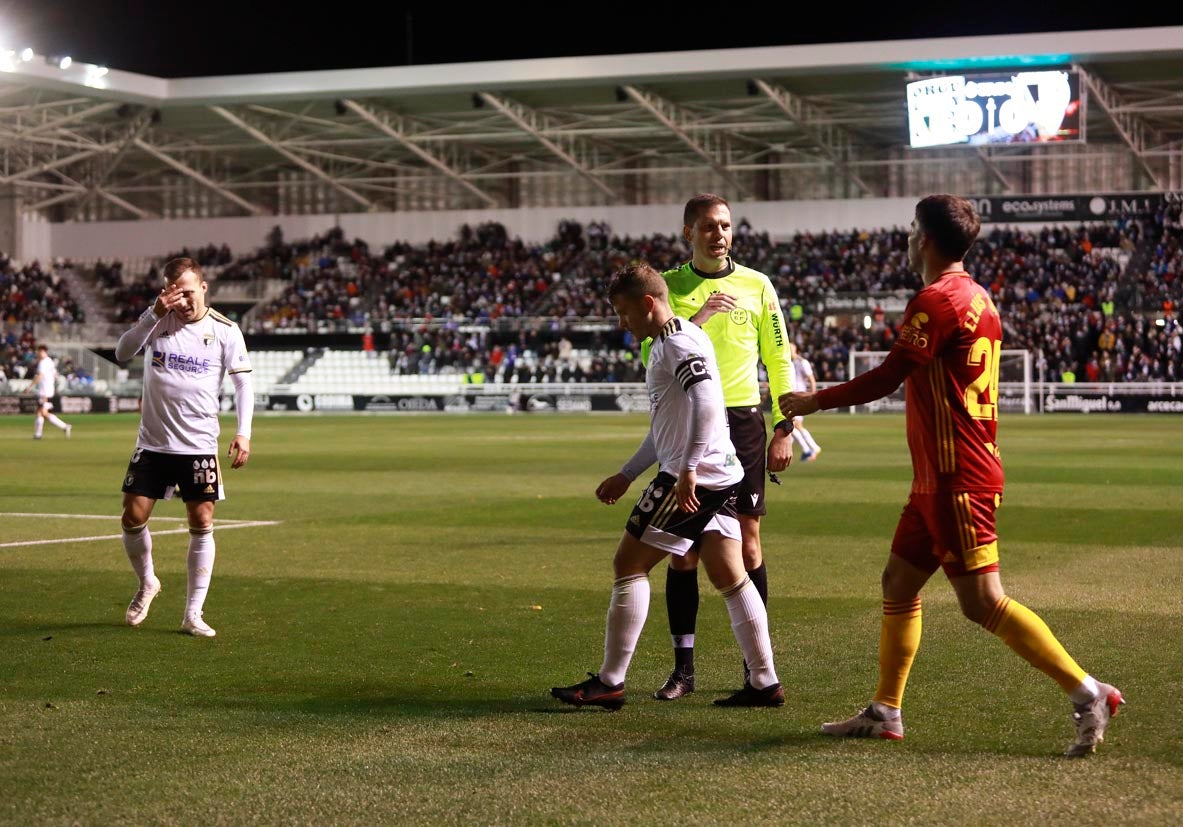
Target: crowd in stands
pixel 280 260
pixel 1160 286
pixel 18 356
pixel 211 255
pixel 532 356
pixel 1057 289
pixel 32 293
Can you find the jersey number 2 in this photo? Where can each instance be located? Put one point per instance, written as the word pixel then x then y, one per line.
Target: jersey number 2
pixel 988 354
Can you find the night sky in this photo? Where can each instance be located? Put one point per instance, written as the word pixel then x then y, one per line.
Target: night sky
pixel 172 39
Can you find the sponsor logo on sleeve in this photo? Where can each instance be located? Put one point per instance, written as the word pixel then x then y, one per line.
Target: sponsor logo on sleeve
pixel 912 333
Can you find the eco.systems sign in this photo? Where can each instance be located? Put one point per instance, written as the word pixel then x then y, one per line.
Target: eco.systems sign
pixel 995 109
pixel 1010 209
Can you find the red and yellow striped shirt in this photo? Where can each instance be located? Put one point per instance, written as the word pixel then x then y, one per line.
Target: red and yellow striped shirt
pixel 947 353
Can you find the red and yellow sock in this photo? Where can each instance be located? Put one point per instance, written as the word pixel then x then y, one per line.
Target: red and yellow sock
pixel 899 638
pixel 1023 631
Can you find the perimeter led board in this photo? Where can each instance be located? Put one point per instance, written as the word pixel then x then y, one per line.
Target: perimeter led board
pixel 975 110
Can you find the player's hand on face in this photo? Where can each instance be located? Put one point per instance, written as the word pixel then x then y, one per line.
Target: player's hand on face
pixel 780 451
pixel 159 308
pixel 797 404
pixel 240 451
pixel 717 303
pixel 684 491
pixel 612 489
pixel 170 299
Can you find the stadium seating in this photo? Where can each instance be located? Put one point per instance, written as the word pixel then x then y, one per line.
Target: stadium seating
pixel 1057 287
pixel 267 367
pixel 33 293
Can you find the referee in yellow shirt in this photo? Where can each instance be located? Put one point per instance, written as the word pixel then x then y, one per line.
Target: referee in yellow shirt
pixel 739 310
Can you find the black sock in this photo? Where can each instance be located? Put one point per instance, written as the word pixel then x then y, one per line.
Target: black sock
pixel 681 604
pixel 759 577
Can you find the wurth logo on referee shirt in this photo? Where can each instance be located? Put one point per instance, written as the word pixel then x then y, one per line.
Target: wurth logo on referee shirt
pixel 180 361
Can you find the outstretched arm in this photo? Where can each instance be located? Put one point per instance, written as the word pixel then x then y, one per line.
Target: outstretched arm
pixel 874 384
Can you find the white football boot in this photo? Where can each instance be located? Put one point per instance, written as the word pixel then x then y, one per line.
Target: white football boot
pixel 138 609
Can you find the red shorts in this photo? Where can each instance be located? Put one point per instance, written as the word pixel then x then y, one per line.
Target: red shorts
pixel 953 530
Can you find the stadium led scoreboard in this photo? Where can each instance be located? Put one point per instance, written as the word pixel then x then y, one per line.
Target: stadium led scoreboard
pixel 996 108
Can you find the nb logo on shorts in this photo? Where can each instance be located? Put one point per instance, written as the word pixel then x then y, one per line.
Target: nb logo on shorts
pixel 205 475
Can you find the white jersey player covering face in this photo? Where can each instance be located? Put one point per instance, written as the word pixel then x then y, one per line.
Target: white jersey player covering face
pixel 690 504
pixel 188 348
pixel 45 386
pixel 803 380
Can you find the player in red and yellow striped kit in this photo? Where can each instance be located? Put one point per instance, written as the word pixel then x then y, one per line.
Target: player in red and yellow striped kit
pixel 947 352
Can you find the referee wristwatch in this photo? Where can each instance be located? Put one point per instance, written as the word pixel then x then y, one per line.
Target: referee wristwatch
pixel 785 425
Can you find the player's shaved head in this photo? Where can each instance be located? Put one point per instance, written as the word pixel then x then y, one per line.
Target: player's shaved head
pixel 637 280
pixel 178 267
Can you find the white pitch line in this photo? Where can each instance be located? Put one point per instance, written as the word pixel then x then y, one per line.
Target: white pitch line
pixel 221 526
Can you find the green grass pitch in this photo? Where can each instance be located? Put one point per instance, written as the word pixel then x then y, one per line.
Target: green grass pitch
pixel 384 653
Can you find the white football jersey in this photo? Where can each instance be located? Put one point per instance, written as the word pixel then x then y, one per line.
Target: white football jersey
pixel 802 372
pixel 184 365
pixel 682 356
pixel 47 375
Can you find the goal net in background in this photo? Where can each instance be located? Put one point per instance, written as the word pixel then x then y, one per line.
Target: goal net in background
pixel 1014 381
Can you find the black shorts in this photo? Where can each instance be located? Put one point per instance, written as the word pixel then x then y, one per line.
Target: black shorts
pixel 751 447
pixel 156 475
pixel 659 522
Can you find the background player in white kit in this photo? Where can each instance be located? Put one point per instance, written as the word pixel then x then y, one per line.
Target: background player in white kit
pixel 803 379
pixel 44 385
pixel 691 502
pixel 188 349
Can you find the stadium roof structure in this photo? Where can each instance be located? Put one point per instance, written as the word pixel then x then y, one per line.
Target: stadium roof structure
pixel 82 142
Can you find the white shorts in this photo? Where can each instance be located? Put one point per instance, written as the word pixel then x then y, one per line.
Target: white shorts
pixel 725 525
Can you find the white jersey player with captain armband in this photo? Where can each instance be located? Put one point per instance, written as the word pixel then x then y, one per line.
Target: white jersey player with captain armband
pixel 189 348
pixel 690 504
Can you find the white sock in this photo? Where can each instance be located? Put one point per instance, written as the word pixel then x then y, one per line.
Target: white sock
pixel 749 622
pixel 53 420
pixel 138 545
pixel 201 568
pixel 887 713
pixel 809 442
pixel 796 437
pixel 38 425
pixel 626 618
pixel 1087 691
